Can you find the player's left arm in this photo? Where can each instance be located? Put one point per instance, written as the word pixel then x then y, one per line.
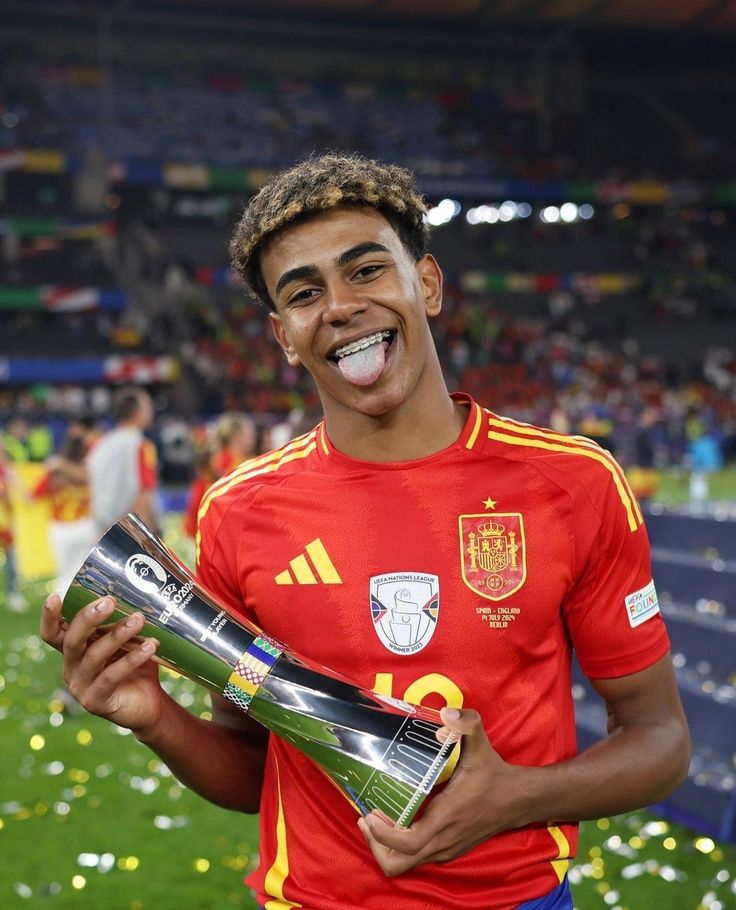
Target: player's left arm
pixel 644 758
pixel 625 654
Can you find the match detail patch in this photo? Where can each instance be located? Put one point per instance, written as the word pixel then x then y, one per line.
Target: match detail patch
pixel 642 605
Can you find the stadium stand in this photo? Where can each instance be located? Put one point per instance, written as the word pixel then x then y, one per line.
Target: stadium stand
pixel 694 565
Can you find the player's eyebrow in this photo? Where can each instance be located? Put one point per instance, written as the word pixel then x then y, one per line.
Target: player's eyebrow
pixel 370 246
pixel 345 258
pixel 301 271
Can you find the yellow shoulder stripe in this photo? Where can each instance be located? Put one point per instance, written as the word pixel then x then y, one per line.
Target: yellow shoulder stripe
pixel 570 440
pixel 298 448
pixel 322 440
pixel 252 463
pixel 259 461
pixel 476 427
pixel 588 452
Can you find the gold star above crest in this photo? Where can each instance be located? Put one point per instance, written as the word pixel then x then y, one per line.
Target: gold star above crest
pixel 490 503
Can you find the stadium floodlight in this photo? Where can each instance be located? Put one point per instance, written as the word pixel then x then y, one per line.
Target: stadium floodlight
pixel 444 212
pixel 507 211
pixel 488 213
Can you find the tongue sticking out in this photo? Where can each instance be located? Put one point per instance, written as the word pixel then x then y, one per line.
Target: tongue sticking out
pixel 364 367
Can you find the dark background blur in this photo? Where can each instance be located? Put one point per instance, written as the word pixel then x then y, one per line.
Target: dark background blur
pixel 584 150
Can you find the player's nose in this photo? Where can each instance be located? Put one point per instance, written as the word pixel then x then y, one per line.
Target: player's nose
pixel 341 304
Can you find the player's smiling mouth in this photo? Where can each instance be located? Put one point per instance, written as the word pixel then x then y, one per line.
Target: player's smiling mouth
pixel 361 344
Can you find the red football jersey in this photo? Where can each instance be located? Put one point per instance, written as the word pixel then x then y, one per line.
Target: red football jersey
pixel 462 578
pixel 147 465
pixel 68 501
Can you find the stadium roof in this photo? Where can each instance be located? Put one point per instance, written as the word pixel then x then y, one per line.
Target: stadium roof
pixel 584 15
pixel 702 14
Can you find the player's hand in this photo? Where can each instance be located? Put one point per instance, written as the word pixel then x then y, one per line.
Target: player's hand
pixel 482 797
pixel 105 670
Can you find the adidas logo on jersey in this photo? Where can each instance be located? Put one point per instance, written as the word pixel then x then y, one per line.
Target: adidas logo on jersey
pixel 312 567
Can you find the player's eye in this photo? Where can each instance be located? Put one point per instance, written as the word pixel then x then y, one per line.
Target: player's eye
pixel 303 296
pixel 368 271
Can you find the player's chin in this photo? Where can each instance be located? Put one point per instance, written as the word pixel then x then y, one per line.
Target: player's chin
pixel 377 400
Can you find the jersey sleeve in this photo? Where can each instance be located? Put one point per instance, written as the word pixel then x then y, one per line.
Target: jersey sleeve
pixel 612 612
pixel 217 557
pixel 147 465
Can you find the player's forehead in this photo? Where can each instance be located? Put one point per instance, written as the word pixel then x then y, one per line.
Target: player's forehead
pixel 321 239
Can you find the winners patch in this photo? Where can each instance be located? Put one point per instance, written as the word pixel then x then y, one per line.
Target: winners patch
pixel 642 605
pixel 405 608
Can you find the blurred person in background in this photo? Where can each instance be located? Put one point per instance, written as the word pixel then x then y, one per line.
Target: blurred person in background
pixel 703 456
pixel 123 464
pixel 204 476
pixel 298 421
pixel 72 531
pixel 176 452
pixel 86 429
pixel 24 441
pixel 234 440
pixel 14 599
pixel 643 474
pixel 15 440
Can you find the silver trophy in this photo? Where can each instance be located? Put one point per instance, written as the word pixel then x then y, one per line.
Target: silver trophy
pixel 381 752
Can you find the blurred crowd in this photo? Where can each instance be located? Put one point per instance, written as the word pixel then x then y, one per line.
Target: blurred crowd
pixel 108 252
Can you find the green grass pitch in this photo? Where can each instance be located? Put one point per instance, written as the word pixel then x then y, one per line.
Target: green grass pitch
pixel 89 818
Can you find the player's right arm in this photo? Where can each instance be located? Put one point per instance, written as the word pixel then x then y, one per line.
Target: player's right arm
pixel 115 678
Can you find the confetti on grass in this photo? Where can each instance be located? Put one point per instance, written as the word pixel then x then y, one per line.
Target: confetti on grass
pixel 89 818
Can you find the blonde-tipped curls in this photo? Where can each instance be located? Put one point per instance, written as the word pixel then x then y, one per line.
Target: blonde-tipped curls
pixel 319 184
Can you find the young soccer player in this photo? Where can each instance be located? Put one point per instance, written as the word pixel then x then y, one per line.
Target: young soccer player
pixel 429 549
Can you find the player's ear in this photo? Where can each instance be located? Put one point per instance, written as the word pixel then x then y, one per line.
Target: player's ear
pixel 279 333
pixel 430 276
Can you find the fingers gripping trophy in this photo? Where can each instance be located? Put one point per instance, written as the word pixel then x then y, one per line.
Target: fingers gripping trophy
pixel 381 753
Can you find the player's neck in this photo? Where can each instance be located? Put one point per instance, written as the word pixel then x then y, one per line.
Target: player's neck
pixel 413 430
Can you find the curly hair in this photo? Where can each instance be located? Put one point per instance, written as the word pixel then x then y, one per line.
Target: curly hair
pixel 317 185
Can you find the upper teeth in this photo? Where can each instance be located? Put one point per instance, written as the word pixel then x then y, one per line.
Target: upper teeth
pixel 362 343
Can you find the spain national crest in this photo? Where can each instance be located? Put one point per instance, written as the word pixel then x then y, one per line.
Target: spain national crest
pixel 493 553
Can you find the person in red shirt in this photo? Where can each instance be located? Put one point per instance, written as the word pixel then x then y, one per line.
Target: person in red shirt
pixel 14 598
pixel 72 532
pixel 429 549
pixel 204 476
pixel 233 441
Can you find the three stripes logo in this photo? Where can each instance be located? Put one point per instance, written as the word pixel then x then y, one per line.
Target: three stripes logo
pixel 312 567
